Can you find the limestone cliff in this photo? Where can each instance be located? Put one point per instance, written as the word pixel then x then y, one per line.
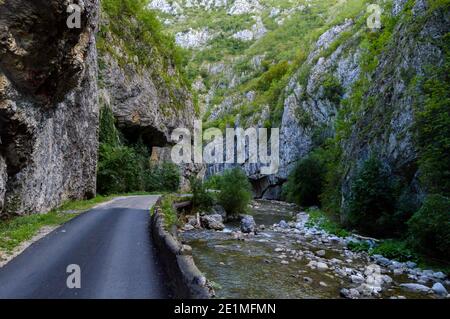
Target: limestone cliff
pixel 48 105
pixel 141 79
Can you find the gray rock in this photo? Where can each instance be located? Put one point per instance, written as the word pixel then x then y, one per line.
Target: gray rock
pixel 439 275
pixel 322 266
pixel 439 289
pixel 219 210
pixel 349 293
pixel 188 227
pixel 357 279
pixel 214 222
pixel 48 106
pixel 321 253
pixel 283 224
pixel 248 224
pixel 415 287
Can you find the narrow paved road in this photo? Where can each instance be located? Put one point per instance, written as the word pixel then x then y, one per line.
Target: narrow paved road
pixel 112 246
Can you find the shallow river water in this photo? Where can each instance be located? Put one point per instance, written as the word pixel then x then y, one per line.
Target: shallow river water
pixel 274 263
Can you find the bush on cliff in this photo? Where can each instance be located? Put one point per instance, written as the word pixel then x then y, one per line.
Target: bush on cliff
pixel 430 227
pixel 235 192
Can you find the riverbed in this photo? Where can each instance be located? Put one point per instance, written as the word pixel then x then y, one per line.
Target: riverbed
pixel 293 262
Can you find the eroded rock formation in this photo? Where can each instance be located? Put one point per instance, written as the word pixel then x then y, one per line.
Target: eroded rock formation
pixel 48 105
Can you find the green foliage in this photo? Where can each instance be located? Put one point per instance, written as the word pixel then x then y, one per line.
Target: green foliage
pixel 433 127
pixel 202 200
pixel 359 246
pixel 305 184
pixel 125 169
pixel 320 219
pixel 275 73
pixel 137 30
pixel 394 249
pixel 333 90
pixel 119 170
pixel 108 133
pixel 430 227
pixel 165 177
pixel 372 200
pixel 234 192
pixel 169 212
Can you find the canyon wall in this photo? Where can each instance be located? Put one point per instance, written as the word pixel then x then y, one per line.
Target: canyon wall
pixel 48 105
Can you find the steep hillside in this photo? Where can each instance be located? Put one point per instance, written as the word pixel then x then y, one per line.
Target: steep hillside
pixel 294 65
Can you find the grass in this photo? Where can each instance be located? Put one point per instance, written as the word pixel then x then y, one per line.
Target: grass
pixel 17 230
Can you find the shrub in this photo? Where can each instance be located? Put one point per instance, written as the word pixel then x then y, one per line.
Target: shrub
pixel 201 199
pixel 235 192
pixel 119 170
pixel 358 247
pixel 430 227
pixel 394 249
pixel 372 200
pixel 169 212
pixel 164 178
pixel 305 183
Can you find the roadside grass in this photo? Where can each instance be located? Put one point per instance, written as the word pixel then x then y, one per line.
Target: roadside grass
pixel 19 229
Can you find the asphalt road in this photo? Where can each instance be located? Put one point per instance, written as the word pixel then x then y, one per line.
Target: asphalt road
pixel 112 246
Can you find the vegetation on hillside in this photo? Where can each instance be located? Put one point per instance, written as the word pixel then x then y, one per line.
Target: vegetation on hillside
pixel 124 167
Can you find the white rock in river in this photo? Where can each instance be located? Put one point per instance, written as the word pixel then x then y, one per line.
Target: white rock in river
pixel 439 289
pixel 322 266
pixel 357 279
pixel 320 253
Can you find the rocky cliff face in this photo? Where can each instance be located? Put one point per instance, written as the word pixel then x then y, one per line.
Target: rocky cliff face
pixel 371 110
pixel 48 105
pixel 142 84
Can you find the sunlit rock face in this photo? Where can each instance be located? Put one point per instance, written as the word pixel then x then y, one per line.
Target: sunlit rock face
pixel 48 105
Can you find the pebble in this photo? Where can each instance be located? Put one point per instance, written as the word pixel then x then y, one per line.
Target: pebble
pixel 320 253
pixel 322 266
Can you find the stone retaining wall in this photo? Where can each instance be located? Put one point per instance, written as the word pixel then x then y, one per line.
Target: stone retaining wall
pixel 185 279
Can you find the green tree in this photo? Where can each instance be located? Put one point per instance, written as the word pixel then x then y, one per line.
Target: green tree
pixel 235 192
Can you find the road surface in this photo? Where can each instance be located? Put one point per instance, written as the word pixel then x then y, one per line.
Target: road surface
pixel 112 246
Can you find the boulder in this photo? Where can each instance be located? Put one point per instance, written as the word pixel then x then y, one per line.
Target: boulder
pixel 416 287
pixel 248 224
pixel 214 222
pixel 439 289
